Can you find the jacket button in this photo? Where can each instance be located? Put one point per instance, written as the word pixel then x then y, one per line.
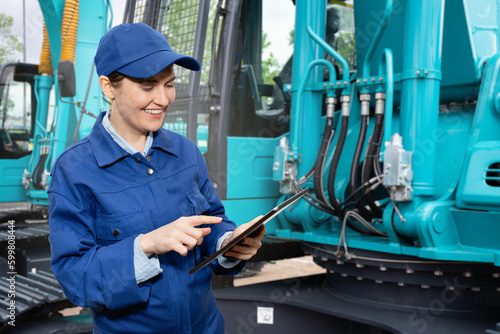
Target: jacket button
pixel 150 171
pixel 116 233
pixel 138 160
pixel 148 157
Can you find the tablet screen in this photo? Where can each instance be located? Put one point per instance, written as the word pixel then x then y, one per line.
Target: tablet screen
pixel 253 228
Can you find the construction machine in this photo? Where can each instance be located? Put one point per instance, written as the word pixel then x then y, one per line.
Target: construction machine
pixel 385 109
pixel 44 108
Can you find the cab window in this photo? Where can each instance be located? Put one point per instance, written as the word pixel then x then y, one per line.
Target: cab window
pixel 16 110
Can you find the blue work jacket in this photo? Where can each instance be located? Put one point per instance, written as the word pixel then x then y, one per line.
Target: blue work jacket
pixel 101 198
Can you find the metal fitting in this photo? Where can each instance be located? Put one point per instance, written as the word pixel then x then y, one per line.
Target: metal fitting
pixel 330 106
pixel 331 100
pixel 365 104
pixel 284 167
pixel 379 103
pixel 45 179
pixel 396 139
pixel 398 173
pixel 364 97
pixel 345 100
pixel 26 180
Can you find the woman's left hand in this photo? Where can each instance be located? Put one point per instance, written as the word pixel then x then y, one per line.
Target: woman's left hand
pixel 247 247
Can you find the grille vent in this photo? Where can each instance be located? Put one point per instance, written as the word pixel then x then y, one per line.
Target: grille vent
pixel 493 175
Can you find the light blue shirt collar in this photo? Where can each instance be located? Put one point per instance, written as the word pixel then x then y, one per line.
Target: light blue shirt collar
pixel 122 142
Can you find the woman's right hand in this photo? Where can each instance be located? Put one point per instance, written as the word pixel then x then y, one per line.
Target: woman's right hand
pixel 179 236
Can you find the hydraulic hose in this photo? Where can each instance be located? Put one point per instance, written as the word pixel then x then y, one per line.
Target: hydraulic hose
pixel 376 165
pixel 333 167
pixel 38 171
pixel 319 165
pixel 69 29
pixel 353 183
pixel 295 130
pixel 354 177
pixel 335 162
pixel 370 157
pixel 45 66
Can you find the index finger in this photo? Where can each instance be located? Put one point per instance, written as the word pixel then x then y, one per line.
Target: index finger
pixel 201 220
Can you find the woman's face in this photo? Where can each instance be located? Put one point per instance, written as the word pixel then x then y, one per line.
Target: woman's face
pixel 140 105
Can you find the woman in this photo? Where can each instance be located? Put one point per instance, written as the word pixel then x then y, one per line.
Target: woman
pixel 131 206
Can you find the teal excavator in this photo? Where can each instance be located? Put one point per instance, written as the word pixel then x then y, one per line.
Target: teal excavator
pixel 387 110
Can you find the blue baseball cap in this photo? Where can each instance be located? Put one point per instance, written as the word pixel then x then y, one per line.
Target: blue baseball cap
pixel 138 51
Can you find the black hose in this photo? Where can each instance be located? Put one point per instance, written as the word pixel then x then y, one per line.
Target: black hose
pixel 331 177
pixel 371 155
pixel 333 129
pixel 35 173
pixel 364 186
pixel 353 183
pixel 318 166
pixel 333 168
pixel 38 171
pixel 378 171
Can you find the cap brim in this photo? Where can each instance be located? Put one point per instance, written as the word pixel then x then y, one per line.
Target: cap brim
pixel 153 64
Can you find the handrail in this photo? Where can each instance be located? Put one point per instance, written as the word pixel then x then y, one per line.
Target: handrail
pixel 300 91
pixel 338 57
pixel 110 9
pixel 377 37
pixel 386 66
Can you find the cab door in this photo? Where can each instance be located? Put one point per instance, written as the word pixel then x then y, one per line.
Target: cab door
pixel 17 122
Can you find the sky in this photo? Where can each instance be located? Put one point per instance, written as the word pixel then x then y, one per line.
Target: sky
pixel 278 21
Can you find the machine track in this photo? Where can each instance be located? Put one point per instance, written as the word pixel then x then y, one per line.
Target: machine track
pixel 28 284
pixel 431 296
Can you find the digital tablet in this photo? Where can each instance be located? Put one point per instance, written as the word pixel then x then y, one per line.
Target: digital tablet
pixel 255 226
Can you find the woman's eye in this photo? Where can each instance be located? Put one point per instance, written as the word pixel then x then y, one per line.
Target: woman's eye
pixel 147 89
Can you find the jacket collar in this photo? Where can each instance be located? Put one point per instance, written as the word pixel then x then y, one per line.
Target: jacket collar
pixel 107 151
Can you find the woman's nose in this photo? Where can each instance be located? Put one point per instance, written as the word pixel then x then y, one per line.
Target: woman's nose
pixel 161 97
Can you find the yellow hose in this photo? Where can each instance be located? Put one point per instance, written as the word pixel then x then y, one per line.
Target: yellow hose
pixel 69 29
pixel 45 66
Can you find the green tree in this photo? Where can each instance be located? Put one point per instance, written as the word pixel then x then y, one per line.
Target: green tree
pixel 9 44
pixel 270 66
pixel 291 37
pixel 346 46
pixel 346 42
pixel 207 54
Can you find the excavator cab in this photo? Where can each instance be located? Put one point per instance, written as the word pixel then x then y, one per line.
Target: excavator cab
pixel 17 109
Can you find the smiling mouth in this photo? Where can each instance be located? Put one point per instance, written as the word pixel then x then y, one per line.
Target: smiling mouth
pixel 153 111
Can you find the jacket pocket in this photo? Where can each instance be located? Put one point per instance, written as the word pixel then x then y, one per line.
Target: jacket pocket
pixel 197 202
pixel 119 226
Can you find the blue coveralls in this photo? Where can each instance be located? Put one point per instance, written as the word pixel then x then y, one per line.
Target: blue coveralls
pixel 101 198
